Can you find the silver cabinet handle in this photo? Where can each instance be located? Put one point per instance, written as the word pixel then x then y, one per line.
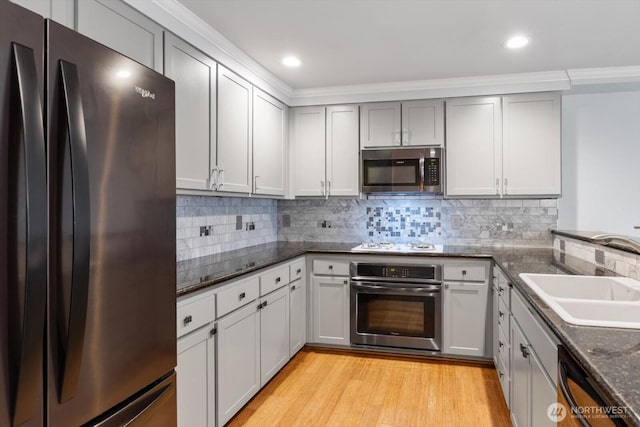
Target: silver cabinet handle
pixel 397 136
pixel 405 136
pixel 322 187
pixel 213 177
pixel 255 183
pixel 328 188
pixel 506 181
pixel 219 180
pixel 497 186
pixel 524 350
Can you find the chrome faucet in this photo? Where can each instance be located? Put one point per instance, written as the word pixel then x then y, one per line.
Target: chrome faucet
pixel 614 240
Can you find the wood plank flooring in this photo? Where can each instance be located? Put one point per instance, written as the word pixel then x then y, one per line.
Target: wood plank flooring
pixel 329 388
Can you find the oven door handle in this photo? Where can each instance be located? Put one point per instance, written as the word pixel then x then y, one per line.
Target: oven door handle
pixel 384 289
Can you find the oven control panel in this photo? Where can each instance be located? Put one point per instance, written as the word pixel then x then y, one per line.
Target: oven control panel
pixel 396 271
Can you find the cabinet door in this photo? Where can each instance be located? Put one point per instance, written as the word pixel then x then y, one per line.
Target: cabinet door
pixel 274 334
pixel 464 315
pixel 298 316
pixel 331 310
pixel 531 144
pixel 122 28
pixel 238 360
pixel 474 147
pixel 60 11
pixel 423 122
pixel 195 76
pixel 520 377
pixel 543 394
pixel 196 379
pixel 342 151
pixel 234 132
pixel 309 148
pixel 269 134
pixel 380 124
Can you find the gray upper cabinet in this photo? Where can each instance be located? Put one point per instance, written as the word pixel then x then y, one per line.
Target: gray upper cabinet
pixel 122 28
pixel 195 76
pixel 234 132
pixel 407 123
pixel 380 124
pixel 60 11
pixel 423 122
pixel 270 124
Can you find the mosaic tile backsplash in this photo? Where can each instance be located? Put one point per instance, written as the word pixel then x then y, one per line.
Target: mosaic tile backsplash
pixel 211 225
pixel 622 262
pixel 426 218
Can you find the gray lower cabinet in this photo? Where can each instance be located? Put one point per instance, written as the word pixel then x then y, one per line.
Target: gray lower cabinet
pixel 195 76
pixel 122 28
pixel 465 318
pixel 274 333
pixel 297 316
pixel 331 310
pixel 196 372
pixel 533 369
pixel 238 360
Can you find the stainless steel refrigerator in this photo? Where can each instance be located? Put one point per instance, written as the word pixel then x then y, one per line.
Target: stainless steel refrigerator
pixel 87 231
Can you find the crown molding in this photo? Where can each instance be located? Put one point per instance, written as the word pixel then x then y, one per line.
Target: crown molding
pixel 436 88
pixel 605 75
pixel 176 18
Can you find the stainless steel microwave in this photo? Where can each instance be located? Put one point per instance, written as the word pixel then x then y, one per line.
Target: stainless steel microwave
pixel 403 170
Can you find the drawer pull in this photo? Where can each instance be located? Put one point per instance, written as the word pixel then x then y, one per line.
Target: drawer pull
pixel 293 288
pixel 242 295
pixel 524 350
pixel 299 271
pixel 259 306
pixel 464 272
pixel 501 289
pixel 264 304
pixel 500 313
pixel 187 320
pixel 346 282
pixel 500 344
pixel 331 267
pixel 500 374
pixel 213 332
pixel 277 280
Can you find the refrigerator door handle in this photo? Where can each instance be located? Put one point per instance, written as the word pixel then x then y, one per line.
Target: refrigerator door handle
pixel 28 342
pixel 73 340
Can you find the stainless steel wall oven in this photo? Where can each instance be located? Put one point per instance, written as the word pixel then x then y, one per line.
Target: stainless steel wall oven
pixel 396 305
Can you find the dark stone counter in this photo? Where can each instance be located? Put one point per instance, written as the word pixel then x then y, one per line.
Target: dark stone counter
pixel 610 355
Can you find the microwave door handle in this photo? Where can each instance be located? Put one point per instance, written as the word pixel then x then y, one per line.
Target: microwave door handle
pixel 421 173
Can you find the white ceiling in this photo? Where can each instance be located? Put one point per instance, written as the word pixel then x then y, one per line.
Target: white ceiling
pixel 347 42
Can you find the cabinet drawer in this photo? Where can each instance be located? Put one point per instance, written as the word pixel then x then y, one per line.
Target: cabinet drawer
pixel 274 279
pixel 503 349
pixel 505 381
pixel 238 295
pixel 330 267
pixel 503 317
pixel 296 270
pixel 193 315
pixel 476 273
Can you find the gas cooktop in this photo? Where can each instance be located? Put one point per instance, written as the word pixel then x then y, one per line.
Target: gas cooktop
pixel 398 247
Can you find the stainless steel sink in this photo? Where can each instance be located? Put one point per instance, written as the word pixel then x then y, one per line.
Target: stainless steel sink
pixel 590 300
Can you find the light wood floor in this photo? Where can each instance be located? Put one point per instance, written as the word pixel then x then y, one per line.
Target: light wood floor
pixel 325 388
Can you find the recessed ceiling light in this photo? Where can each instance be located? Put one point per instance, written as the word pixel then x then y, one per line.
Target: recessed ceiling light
pixel 291 61
pixel 517 42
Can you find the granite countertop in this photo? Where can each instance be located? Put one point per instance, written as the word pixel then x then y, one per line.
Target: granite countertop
pixel 610 355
